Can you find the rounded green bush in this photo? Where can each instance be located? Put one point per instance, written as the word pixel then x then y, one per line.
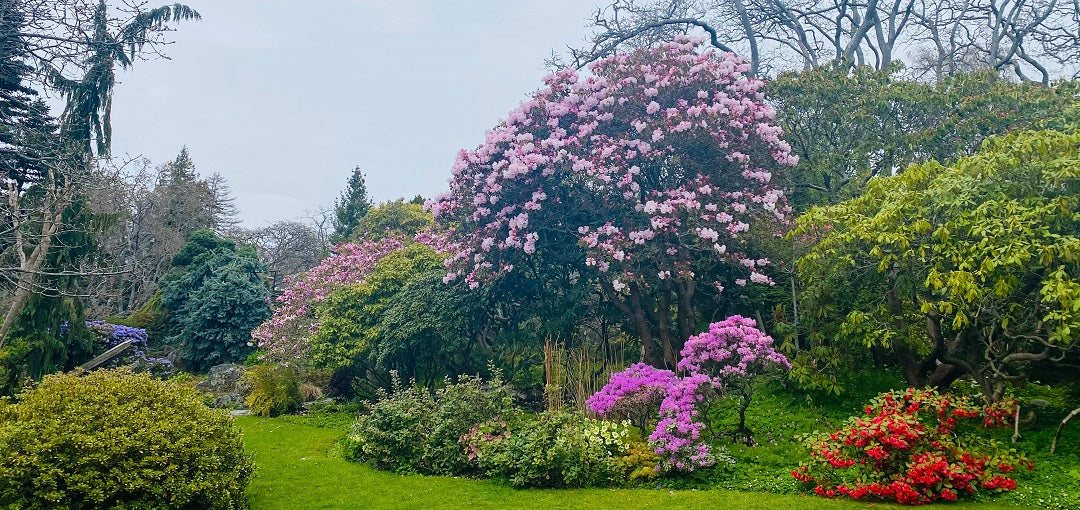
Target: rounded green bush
pixel 113 439
pixel 275 390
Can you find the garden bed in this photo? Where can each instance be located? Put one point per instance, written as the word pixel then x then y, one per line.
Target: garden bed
pixel 296 470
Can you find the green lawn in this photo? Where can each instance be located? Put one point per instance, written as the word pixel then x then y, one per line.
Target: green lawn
pixel 295 471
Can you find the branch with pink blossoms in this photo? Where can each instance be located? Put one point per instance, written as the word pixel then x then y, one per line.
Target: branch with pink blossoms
pixel 283 338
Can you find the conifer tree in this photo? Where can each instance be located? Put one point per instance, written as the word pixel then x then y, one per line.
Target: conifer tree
pixel 352 205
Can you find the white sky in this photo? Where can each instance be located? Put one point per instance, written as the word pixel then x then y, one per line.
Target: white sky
pixel 284 98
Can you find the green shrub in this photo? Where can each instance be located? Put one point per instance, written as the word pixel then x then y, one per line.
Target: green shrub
pixel 413 431
pixel 558 449
pixel 392 434
pixel 275 390
pixel 113 439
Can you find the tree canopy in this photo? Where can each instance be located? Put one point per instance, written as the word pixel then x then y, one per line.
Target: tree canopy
pixel 970 269
pixel 654 168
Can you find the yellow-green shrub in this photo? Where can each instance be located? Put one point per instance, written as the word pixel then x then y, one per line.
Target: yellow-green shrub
pixel 113 439
pixel 275 390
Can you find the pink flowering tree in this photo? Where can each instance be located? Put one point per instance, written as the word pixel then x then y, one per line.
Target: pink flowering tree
pixel 722 361
pixel 285 336
pixel 655 167
pixel 733 353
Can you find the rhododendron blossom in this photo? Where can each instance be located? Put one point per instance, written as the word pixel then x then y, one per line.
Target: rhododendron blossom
pixel 731 350
pixel 729 355
pixel 658 163
pixel 908 448
pixel 284 336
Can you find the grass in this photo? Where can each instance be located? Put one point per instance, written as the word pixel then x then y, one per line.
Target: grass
pixel 296 471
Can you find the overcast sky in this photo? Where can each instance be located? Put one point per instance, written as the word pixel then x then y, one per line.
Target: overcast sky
pixel 284 98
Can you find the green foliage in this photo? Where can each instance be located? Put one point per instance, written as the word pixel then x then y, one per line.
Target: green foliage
pixel 151 316
pixel 409 430
pixel 214 298
pixel 352 205
pixel 974 265
pixel 350 325
pixel 41 344
pixel 848 125
pixel 397 219
pixel 111 439
pixel 557 449
pixel 275 390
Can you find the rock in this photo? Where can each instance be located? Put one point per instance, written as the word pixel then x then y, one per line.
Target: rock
pixel 228 401
pixel 318 403
pixel 224 379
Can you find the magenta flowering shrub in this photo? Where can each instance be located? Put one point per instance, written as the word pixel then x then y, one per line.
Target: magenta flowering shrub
pixel 284 336
pixel 722 361
pixel 634 394
pixel 657 164
pixel 731 351
pixel 678 435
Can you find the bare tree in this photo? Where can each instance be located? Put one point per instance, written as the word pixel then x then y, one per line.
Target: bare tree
pixel 1033 40
pixel 287 247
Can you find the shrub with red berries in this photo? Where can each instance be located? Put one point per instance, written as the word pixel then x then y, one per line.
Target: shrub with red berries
pixel 914 447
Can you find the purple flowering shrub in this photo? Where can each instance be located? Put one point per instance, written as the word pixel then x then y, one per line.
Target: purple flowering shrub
pixel 733 353
pixel 678 437
pixel 107 336
pixel 634 394
pixel 720 362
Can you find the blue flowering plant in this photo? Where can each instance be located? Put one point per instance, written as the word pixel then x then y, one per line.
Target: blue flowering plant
pixel 107 336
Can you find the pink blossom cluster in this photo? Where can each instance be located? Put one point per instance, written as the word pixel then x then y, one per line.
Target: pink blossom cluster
pixel 730 352
pixel 284 336
pixel 731 349
pixel 640 383
pixel 659 163
pixel 678 435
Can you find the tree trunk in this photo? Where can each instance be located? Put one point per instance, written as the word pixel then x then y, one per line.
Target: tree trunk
pixel 56 202
pixel 687 318
pixel 663 311
pixel 650 353
pixel 25 284
pixel 904 357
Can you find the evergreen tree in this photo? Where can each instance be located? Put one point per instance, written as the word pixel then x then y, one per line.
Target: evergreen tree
pixel 214 298
pixel 222 209
pixel 352 205
pixel 87 115
pixel 21 116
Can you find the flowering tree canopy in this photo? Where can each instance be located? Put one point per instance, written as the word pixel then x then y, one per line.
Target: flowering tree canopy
pixel 656 165
pixel 284 337
pixel 731 352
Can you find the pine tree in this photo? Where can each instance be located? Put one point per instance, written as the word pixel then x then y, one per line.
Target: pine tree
pixel 222 209
pixel 352 205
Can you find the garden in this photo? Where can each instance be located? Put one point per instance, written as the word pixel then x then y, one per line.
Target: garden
pixel 665 279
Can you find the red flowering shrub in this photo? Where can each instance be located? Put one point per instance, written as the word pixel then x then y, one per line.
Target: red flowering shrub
pixel 914 446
